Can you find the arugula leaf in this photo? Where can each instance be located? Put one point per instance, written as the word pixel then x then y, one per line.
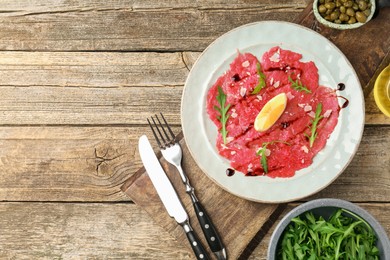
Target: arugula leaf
pixel 297 85
pixel 314 123
pixel 261 83
pixel 343 236
pixel 222 109
pixel 263 156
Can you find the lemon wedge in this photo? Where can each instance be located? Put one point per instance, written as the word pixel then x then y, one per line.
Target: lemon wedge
pixel 271 112
pixel 382 91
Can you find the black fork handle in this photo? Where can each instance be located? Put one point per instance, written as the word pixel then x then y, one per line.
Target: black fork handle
pixel 209 231
pixel 197 246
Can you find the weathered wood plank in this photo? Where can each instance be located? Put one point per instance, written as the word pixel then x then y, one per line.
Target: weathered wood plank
pixel 14 8
pixel 91 164
pixel 40 105
pixel 67 163
pixel 87 88
pixel 83 231
pixel 103 230
pixel 378 211
pixel 130 25
pixel 93 69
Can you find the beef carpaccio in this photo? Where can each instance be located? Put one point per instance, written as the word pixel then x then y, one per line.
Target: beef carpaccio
pixel 293 141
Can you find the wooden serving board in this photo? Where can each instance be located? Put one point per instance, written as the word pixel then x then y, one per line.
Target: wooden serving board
pixel 241 223
pixel 236 219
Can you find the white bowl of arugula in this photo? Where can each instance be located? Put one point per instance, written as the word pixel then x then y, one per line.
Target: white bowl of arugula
pixel 329 229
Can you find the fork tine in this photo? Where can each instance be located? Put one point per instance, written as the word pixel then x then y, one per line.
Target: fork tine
pixel 163 145
pixel 154 133
pixel 169 128
pixel 163 128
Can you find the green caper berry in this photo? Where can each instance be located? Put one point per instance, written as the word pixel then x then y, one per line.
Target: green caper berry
pixel 367 12
pixel 361 17
pixel 322 9
pixel 362 5
pixel 343 9
pixel 321 1
pixel 348 4
pixel 350 12
pixel 343 17
pixel 352 20
pixel 334 16
pixel 337 21
pixel 330 5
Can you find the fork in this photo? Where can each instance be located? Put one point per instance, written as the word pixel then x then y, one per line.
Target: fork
pixel 172 153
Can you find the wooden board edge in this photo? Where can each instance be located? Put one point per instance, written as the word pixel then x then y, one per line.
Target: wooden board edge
pixel 305 13
pixel 262 232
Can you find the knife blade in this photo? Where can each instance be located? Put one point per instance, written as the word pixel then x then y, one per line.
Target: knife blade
pixel 168 195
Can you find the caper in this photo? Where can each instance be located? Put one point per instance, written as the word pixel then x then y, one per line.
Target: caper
pixel 344 11
pixel 352 20
pixel 361 17
pixel 330 5
pixel 348 4
pixel 322 9
pixel 350 12
pixel 362 5
pixel 343 17
pixel 367 12
pixel 334 16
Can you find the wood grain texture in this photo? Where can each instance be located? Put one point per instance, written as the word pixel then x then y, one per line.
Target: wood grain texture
pixel 78 79
pixel 103 231
pixel 67 163
pixel 83 231
pixel 130 25
pixel 91 164
pixel 87 88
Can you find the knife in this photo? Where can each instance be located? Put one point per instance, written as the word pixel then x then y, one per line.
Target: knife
pixel 168 195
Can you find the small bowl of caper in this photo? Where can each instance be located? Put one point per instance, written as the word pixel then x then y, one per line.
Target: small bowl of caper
pixel 343 14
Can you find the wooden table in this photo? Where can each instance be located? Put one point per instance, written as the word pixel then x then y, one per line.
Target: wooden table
pixel 78 79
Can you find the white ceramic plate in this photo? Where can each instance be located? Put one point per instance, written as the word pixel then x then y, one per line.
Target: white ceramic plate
pixel 200 133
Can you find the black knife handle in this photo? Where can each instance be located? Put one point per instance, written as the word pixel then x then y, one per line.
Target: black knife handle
pixel 208 228
pixel 196 245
